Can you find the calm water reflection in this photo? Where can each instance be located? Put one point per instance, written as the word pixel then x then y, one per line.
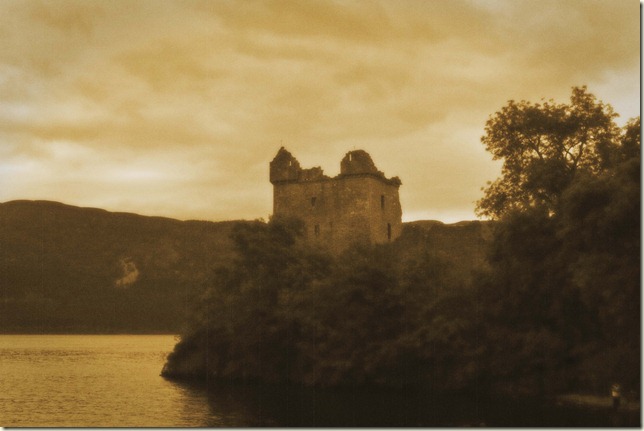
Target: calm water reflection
pixel 89 380
pixel 113 380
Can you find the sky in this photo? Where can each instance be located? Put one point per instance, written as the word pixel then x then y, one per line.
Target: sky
pixel 175 108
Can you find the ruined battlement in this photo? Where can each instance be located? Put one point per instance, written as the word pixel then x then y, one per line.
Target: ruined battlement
pixel 359 205
pixel 358 162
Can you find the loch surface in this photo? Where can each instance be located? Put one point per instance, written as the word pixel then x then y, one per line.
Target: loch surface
pixel 92 380
pixel 113 381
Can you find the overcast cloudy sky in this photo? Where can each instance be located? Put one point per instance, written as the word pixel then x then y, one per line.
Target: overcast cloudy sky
pixel 175 108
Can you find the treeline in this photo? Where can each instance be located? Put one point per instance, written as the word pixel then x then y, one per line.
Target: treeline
pixel 557 309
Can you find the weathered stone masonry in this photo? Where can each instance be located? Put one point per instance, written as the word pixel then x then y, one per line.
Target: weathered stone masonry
pixel 358 205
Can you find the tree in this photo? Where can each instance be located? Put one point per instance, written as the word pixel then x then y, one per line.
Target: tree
pixel 543 147
pixel 563 285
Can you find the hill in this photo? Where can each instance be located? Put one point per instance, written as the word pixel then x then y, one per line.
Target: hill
pixel 461 245
pixel 71 269
pixel 64 268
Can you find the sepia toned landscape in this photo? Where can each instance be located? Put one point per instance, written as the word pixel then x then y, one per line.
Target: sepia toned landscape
pixel 320 214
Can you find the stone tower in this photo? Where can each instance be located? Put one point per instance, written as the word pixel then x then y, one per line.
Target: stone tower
pixel 358 205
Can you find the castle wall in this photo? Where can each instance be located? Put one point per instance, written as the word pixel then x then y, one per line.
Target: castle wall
pixel 352 207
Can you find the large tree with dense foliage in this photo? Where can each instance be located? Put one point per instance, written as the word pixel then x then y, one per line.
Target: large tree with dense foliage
pixel 544 146
pixel 562 297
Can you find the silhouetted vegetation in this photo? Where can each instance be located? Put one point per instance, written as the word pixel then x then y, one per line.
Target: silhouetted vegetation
pixel 561 301
pixel 285 312
pixel 556 308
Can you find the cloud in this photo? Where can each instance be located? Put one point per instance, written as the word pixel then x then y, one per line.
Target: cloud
pixel 67 16
pixel 175 108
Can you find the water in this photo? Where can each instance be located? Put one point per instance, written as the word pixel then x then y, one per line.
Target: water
pixel 113 380
pixel 89 380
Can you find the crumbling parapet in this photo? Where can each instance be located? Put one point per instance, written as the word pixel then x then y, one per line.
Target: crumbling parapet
pixel 359 162
pixel 285 167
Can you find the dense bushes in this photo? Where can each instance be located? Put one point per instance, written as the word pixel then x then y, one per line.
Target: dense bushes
pixel 287 313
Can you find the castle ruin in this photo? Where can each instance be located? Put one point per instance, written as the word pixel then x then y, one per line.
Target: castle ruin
pixel 360 205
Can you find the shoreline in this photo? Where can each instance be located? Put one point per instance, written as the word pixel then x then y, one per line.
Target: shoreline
pixel 596 402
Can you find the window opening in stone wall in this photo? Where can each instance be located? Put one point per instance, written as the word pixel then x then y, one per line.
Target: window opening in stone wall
pixel 313 199
pixel 382 202
pixel 317 230
pixel 389 231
